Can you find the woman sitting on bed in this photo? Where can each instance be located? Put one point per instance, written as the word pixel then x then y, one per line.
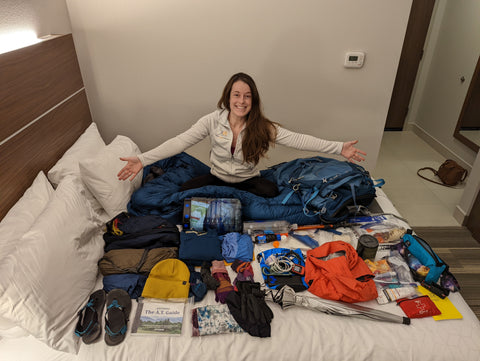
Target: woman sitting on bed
pixel 240 135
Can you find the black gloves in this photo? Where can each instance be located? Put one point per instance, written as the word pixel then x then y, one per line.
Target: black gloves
pixel 249 309
pixel 207 277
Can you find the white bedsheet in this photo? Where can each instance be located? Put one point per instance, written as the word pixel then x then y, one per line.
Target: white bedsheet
pixel 297 334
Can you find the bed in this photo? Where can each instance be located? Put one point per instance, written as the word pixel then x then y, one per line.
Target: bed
pixel 56 196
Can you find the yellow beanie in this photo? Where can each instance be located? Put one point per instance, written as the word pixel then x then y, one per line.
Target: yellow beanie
pixel 168 279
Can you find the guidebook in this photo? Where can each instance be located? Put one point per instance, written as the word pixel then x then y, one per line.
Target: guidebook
pixel 157 317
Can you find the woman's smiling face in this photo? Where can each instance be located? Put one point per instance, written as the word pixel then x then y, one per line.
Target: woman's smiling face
pixel 240 99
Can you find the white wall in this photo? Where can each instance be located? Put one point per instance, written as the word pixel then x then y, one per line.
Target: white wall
pixel 151 68
pixel 469 195
pixel 38 17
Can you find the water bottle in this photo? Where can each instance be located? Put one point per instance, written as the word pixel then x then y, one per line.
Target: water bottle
pixel 260 227
pixel 231 211
pixel 238 217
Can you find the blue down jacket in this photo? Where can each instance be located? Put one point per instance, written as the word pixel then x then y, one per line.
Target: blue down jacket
pixel 162 195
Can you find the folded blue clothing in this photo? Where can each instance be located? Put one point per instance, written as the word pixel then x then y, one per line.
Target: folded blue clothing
pixel 237 246
pixel 132 283
pixel 196 247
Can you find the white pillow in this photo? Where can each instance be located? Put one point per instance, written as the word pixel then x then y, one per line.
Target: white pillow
pixel 23 214
pixel 47 279
pixel 86 146
pixel 100 175
pixel 16 222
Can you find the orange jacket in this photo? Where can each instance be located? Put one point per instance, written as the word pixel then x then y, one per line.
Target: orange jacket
pixel 345 277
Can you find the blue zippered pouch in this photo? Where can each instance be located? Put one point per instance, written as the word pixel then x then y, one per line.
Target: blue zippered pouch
pixel 421 250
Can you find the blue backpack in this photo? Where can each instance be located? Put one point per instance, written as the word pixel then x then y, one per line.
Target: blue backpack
pixel 328 188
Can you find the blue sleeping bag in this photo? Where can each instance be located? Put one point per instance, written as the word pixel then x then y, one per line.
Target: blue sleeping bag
pixel 162 195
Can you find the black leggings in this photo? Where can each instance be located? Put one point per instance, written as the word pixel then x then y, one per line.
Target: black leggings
pixel 257 185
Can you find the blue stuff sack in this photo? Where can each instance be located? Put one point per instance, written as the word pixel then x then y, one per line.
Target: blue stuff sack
pixel 421 250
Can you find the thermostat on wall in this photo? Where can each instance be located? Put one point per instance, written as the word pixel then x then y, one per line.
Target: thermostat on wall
pixel 354 59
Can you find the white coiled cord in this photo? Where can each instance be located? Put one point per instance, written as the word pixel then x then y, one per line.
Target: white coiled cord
pixel 281 265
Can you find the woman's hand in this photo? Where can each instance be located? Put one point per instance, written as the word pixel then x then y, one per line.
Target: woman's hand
pixel 351 153
pixel 131 169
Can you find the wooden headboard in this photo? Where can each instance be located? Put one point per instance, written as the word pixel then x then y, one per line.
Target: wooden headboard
pixel 43 110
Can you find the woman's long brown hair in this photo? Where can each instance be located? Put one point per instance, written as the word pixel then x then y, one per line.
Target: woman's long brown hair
pixel 260 132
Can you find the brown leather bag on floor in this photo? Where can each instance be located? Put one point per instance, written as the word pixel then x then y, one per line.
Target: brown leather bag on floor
pixel 450 173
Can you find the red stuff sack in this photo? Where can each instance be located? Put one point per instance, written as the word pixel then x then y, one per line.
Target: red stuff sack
pixel 418 307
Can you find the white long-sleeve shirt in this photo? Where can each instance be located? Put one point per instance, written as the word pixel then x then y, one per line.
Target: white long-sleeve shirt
pixel 225 165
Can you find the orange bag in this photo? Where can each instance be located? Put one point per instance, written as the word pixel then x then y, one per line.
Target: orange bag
pixel 334 271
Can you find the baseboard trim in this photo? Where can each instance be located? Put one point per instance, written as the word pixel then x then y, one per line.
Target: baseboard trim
pixel 460 215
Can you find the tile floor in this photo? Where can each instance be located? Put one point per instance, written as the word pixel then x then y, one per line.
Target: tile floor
pixel 422 203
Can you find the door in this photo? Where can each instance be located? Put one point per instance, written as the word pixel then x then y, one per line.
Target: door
pixel 412 51
pixel 468 125
pixel 470 116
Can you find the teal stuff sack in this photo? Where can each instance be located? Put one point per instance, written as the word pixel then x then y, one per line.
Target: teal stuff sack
pixel 421 250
